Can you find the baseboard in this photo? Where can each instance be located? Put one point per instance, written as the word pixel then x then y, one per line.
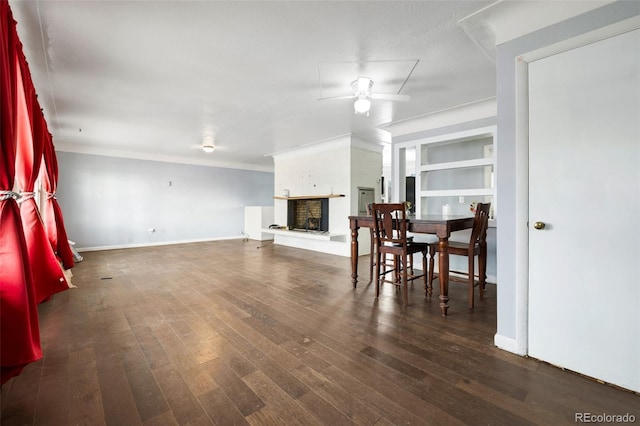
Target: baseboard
pixel 162 243
pixel 508 344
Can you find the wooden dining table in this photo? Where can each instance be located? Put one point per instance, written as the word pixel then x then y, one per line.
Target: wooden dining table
pixel 438 225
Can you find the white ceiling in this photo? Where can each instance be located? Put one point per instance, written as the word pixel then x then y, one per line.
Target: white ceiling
pixel 149 79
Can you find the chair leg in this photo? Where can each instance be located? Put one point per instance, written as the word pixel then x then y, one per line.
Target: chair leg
pixel 427 285
pixel 432 254
pixel 377 277
pixel 405 287
pixel 471 280
pixel 411 263
pixel 397 265
pixel 482 267
pixel 372 262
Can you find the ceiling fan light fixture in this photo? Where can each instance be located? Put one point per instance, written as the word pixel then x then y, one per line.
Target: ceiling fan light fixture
pixel 207 144
pixel 362 105
pixel 362 85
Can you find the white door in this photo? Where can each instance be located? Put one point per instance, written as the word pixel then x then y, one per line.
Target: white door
pixel 584 185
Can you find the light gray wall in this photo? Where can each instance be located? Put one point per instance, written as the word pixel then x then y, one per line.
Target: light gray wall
pixel 109 201
pixel 506 150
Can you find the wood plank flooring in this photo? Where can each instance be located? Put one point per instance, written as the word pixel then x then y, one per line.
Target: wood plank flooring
pixel 227 333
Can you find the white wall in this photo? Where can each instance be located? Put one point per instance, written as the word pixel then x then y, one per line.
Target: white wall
pixel 366 171
pixel 257 218
pixel 338 166
pixel 314 170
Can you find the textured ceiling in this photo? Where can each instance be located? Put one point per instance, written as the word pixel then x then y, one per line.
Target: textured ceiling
pixel 150 79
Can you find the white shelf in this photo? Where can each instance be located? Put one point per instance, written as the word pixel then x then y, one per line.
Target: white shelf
pixel 308 235
pixel 480 162
pixel 457 192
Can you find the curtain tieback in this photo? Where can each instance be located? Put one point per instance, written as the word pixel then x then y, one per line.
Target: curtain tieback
pixel 24 196
pixel 51 195
pixel 5 195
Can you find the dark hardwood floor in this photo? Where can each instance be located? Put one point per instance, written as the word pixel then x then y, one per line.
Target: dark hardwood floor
pixel 225 333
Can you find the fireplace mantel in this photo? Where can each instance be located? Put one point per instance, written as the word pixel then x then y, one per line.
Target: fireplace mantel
pixel 308 197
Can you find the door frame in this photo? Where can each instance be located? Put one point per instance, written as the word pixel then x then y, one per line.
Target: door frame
pixel 522 164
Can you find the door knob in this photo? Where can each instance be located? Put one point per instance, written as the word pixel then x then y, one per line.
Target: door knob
pixel 539 225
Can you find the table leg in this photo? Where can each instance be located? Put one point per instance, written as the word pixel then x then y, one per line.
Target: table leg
pixel 354 256
pixel 443 274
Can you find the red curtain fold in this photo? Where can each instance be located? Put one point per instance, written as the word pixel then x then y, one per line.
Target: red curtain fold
pixel 52 213
pixel 48 277
pixel 46 208
pixel 19 328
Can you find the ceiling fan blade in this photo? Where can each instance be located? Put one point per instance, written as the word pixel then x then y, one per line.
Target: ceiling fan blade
pixel 397 98
pixel 335 98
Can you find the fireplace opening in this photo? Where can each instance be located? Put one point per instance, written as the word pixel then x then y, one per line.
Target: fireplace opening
pixel 308 214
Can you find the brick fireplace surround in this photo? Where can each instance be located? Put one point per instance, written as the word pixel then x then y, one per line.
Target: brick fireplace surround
pixel 308 214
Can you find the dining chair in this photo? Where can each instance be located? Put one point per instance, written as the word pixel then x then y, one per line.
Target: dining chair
pixel 372 246
pixel 387 265
pixel 390 233
pixel 477 246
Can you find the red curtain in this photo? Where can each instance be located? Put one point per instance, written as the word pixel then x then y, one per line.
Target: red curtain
pixel 48 277
pixel 19 331
pixel 52 214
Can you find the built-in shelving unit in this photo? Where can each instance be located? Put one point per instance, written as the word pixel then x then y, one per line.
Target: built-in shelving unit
pixel 455 169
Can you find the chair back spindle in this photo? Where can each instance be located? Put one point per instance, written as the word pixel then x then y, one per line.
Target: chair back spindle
pixel 480 223
pixel 390 223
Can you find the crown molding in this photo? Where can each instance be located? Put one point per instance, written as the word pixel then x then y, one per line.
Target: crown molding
pixel 483 108
pixel 105 152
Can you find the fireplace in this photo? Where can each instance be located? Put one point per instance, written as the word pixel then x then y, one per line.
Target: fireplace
pixel 308 214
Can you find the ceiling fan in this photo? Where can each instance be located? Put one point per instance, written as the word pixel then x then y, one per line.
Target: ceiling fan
pixel 362 93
